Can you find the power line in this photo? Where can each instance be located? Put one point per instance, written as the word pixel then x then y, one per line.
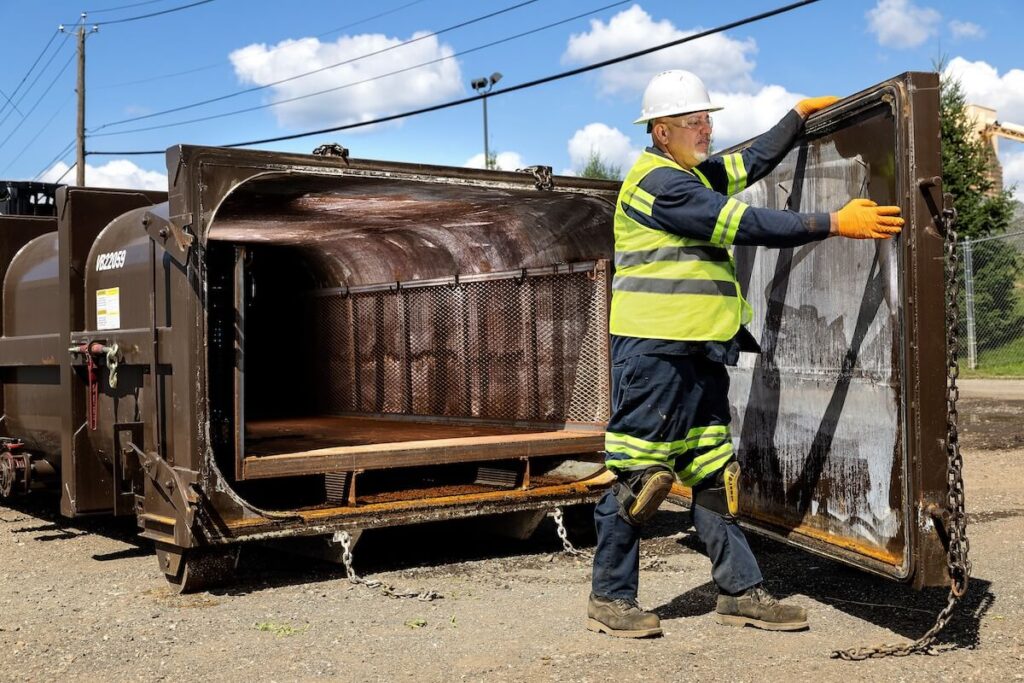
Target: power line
pixel 6 97
pixel 257 88
pixel 60 155
pixel 503 91
pixel 150 79
pixel 36 136
pixel 62 175
pixel 159 78
pixel 22 81
pixel 151 14
pixel 365 80
pixel 45 93
pixel 35 80
pixel 363 21
pixel 114 9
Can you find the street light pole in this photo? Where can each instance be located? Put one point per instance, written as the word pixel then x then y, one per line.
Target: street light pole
pixel 487 151
pixel 484 86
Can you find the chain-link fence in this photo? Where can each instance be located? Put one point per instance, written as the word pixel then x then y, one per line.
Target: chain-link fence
pixel 992 305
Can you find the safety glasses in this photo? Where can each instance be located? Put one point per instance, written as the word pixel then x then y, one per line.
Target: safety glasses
pixel 693 122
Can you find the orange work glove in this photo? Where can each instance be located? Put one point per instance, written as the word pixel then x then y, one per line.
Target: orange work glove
pixel 808 106
pixel 864 219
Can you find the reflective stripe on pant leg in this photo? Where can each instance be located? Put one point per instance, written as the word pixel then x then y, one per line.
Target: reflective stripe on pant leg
pixel 713 454
pixel 654 398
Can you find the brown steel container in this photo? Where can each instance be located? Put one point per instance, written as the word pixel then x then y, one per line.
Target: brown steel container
pixel 28 349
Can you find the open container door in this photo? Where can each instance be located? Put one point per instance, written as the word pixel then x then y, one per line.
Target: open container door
pixel 841 418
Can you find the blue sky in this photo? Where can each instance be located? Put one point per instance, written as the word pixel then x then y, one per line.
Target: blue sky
pixel 758 71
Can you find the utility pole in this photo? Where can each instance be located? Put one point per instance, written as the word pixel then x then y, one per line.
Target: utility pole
pixel 80 91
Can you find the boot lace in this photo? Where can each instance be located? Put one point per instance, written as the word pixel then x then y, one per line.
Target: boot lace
pixel 627 605
pixel 762 596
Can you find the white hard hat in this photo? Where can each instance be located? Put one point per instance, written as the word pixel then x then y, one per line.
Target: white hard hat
pixel 674 92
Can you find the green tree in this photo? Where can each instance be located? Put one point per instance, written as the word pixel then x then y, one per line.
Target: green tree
pixel 982 210
pixel 965 162
pixel 600 169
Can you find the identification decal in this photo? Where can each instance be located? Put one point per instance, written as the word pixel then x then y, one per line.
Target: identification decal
pixel 108 308
pixel 111 260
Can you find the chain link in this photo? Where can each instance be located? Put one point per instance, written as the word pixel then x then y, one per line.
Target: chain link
pixel 957 563
pixel 345 540
pixel 567 545
pixel 331 149
pixel 542 176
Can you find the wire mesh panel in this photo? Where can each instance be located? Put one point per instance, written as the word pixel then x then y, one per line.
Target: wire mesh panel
pixel 992 305
pixel 521 346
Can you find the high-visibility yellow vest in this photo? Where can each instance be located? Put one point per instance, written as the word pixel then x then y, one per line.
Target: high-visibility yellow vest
pixel 672 287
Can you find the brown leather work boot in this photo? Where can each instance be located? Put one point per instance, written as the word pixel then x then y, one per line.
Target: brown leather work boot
pixel 755 607
pixel 621 617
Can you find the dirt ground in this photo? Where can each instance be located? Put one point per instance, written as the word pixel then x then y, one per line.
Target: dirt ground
pixel 84 601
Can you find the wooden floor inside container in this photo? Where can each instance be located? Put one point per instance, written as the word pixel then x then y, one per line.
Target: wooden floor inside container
pixel 274 437
pixel 331 443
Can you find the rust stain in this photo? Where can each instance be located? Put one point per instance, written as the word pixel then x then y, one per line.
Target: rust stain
pixel 454 502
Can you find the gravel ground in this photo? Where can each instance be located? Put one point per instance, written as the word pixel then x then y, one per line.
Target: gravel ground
pixel 84 601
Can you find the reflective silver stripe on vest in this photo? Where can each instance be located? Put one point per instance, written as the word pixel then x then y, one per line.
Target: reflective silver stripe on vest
pixel 624 259
pixel 657 285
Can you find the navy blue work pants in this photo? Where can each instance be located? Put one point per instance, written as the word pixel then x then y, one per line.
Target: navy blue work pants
pixel 660 398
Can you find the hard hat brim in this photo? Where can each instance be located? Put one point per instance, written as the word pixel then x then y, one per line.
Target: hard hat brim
pixel 659 114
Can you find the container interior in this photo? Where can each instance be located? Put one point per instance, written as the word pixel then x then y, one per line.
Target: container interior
pixel 364 324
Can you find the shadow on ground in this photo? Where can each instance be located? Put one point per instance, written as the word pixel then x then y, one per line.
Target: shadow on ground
pixel 883 602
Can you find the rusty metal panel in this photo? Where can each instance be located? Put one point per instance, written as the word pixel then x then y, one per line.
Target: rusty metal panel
pixel 837 417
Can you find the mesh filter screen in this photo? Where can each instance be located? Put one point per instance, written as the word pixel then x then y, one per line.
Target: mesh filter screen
pixel 528 348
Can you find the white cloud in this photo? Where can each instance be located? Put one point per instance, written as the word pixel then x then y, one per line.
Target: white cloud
pixel 119 173
pixel 902 24
pixel 260 65
pixel 747 115
pixel 611 144
pixel 504 161
pixel 983 85
pixel 966 29
pixel 1013 172
pixel 722 62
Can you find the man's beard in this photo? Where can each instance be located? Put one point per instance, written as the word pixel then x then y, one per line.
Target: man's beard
pixel 701 157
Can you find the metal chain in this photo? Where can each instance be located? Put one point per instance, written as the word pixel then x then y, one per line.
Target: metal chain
pixel 957 562
pixel 542 176
pixel 331 149
pixel 567 545
pixel 345 540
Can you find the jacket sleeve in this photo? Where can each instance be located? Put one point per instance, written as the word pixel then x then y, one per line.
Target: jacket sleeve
pixel 685 207
pixel 732 173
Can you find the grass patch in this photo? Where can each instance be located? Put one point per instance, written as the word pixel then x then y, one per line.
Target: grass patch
pixel 281 630
pixel 1003 361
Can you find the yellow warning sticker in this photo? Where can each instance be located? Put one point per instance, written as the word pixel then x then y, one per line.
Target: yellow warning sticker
pixel 108 308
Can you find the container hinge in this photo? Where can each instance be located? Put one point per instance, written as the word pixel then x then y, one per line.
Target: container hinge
pixel 181 495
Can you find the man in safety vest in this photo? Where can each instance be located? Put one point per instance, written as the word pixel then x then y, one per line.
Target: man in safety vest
pixel 677 318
